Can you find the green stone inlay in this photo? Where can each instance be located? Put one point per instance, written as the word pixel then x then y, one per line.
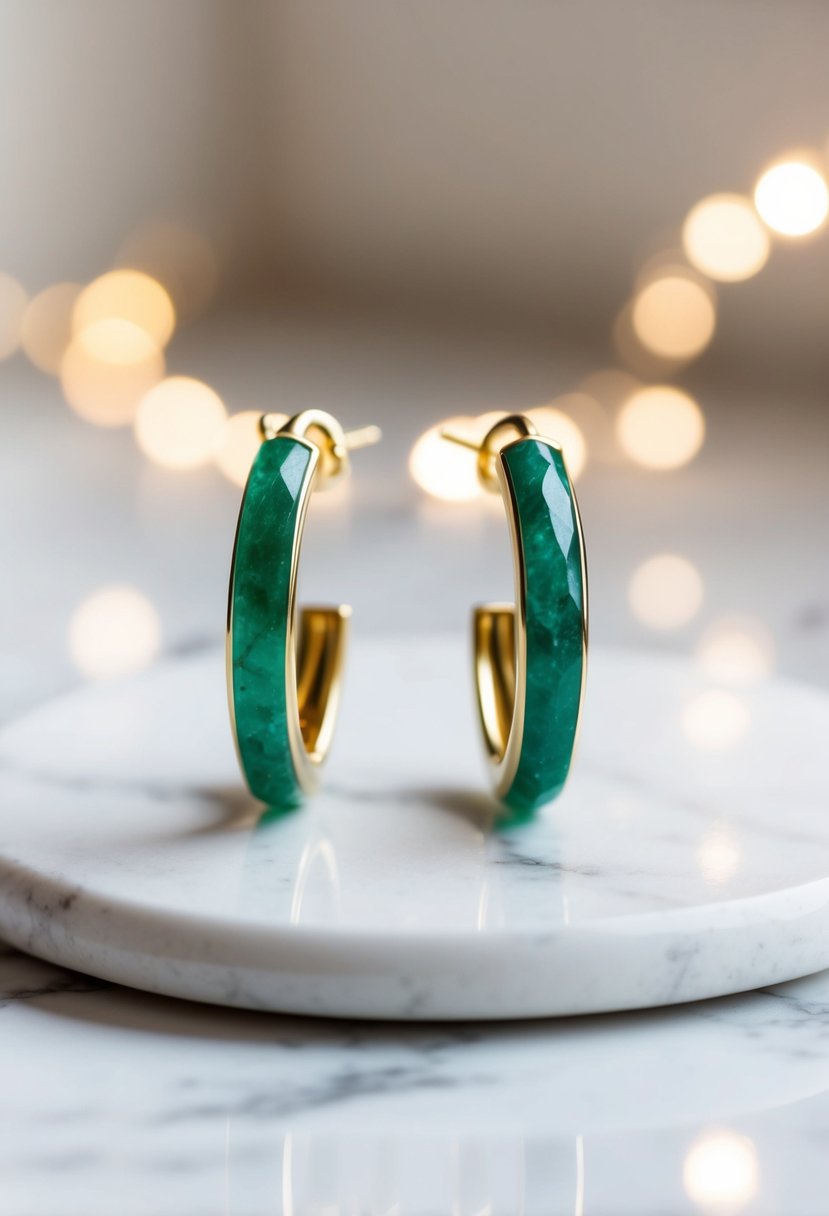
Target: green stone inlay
pixel 260 606
pixel 554 592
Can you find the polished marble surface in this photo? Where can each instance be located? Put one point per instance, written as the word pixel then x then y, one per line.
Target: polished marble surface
pixel 129 848
pixel 117 1101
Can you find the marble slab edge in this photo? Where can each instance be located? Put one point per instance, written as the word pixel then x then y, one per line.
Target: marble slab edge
pixel 624 963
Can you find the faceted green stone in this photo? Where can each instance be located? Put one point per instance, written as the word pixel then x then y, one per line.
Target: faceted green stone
pixel 554 590
pixel 259 613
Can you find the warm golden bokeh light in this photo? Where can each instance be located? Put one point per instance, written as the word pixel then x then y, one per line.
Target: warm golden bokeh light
pixel 715 719
pixel 106 370
pixel 239 442
pixel 665 592
pixel 718 854
pixel 12 309
pixel 180 258
pixel 724 239
pixel 610 387
pixel 47 326
pixel 595 421
pixel 334 501
pixel 588 413
pixel 115 631
pixel 792 198
pixel 660 427
pixel 737 650
pixel 126 295
pixel 443 469
pixel 553 424
pixel 117 341
pixel 720 1171
pixel 674 316
pixel 645 364
pixel 179 423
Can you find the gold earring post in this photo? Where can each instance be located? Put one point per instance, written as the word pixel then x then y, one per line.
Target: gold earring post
pixel 487 448
pixel 325 433
pixel 461 440
pixel 362 437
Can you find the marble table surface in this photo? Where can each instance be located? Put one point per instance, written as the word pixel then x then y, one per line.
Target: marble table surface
pixel 115 1101
pixel 130 849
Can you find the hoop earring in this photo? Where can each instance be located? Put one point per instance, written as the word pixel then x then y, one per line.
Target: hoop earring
pixel 531 659
pixel 284 670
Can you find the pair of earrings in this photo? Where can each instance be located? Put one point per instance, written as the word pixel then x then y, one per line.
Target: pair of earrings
pixel 284 669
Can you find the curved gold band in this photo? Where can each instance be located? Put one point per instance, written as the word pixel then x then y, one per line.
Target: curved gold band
pixel 530 659
pixel 493 639
pixel 500 645
pixel 284 666
pixel 317 636
pixel 317 642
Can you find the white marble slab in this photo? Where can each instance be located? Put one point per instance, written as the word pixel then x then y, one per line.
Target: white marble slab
pixel 682 862
pixel 117 1101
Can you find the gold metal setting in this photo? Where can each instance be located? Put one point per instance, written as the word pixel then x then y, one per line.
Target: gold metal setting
pixel 322 431
pixel 500 639
pixel 517 425
pixel 317 636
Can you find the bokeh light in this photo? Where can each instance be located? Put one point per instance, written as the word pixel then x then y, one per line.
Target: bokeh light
pixel 645 364
pixel 113 632
pixel 720 1171
pixel 736 650
pixel 674 316
pixel 12 309
pixel 610 387
pixel 334 500
pixel 47 325
pixel 443 469
pixel 665 592
pixel 179 423
pixel 106 370
pixel 553 424
pixel 715 719
pixel 724 239
pixel 177 256
pixel 660 427
pixel 117 341
pixel 594 420
pixel 126 295
pixel 238 444
pixel 792 198
pixel 718 854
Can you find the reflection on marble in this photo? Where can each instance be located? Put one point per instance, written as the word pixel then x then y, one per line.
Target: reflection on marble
pixel 116 1101
pixel 666 873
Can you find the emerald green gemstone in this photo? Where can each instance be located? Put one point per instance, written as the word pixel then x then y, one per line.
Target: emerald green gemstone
pixel 260 594
pixel 554 590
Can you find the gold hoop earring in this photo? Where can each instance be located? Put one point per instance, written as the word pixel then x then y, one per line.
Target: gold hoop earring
pixel 531 658
pixel 284 669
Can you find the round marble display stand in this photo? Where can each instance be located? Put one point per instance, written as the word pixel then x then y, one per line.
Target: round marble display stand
pixel 688 857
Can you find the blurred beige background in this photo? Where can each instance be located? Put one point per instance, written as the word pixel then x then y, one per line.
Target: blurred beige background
pixel 401 212
pixel 508 161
